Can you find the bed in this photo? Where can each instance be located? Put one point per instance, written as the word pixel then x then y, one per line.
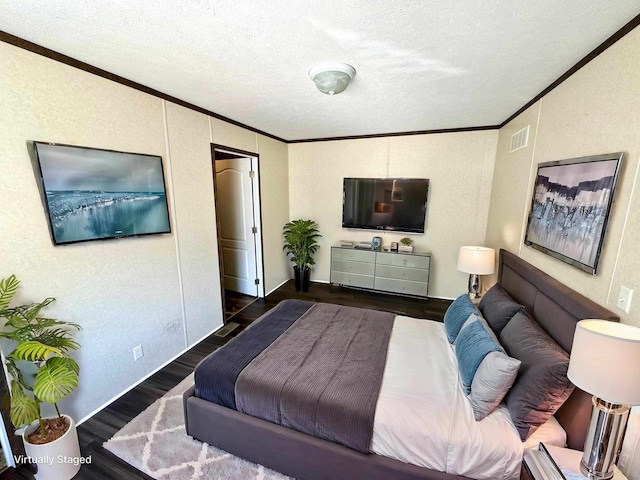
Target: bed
pixel 554 306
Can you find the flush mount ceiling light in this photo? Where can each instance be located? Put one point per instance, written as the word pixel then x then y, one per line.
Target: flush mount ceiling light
pixel 332 78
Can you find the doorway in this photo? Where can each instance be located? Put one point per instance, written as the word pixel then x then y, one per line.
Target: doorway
pixel 237 197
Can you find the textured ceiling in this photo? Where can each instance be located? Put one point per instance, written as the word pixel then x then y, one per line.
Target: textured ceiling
pixel 421 65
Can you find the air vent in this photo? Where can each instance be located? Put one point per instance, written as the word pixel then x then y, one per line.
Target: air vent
pixel 520 139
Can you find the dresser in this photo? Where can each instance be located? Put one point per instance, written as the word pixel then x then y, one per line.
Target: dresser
pixel 404 273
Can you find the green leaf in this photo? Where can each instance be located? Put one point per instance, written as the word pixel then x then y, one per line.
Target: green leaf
pixel 24 409
pixel 35 351
pixel 66 362
pixel 56 379
pixel 59 339
pixel 8 288
pixel 15 373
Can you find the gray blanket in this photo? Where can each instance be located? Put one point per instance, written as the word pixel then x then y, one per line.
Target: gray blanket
pixel 322 376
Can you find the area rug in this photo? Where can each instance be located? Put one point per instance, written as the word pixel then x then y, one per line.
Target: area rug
pixel 156 443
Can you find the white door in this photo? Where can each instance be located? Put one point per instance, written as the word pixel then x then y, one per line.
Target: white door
pixel 235 211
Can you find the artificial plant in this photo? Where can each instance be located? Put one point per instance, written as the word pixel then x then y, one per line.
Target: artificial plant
pixel 406 241
pixel 300 241
pixel 42 342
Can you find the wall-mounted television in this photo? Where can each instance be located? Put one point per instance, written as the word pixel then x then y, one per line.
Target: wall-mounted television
pixel 396 204
pixel 570 208
pixel 92 194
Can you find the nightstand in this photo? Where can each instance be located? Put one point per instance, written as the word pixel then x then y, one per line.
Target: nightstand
pixel 570 459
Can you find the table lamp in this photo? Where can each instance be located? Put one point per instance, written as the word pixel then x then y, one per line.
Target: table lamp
pixel 605 362
pixel 476 261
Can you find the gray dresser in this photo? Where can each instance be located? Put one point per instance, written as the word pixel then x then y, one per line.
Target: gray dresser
pixel 404 273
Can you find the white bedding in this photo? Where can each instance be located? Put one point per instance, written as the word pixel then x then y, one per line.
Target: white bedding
pixel 423 417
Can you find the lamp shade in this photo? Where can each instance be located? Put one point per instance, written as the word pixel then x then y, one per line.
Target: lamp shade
pixel 605 361
pixel 477 260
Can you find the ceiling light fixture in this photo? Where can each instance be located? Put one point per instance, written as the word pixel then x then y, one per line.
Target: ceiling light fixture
pixel 332 78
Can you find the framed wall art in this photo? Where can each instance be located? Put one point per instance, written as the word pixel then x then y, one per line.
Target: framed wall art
pixel 570 208
pixel 96 194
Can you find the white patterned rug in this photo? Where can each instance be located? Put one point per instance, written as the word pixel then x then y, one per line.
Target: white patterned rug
pixel 156 443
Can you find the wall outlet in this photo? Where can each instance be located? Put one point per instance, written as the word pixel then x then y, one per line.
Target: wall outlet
pixel 137 352
pixel 624 298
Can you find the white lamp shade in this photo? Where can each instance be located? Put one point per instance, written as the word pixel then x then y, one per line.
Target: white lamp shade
pixel 478 260
pixel 605 361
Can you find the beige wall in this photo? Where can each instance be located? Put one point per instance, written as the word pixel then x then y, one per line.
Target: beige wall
pixel 161 291
pixel 459 167
pixel 595 111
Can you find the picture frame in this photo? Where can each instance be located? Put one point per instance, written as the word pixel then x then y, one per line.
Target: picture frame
pixel 97 194
pixel 570 208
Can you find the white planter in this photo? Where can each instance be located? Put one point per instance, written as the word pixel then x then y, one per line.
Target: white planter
pixel 405 248
pixel 58 460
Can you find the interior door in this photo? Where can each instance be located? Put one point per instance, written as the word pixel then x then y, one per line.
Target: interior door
pixel 237 238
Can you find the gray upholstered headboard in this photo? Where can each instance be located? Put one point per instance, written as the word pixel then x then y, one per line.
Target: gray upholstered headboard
pixel 557 309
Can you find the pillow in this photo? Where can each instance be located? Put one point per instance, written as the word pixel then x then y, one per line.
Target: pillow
pixel 542 385
pixel 492 381
pixel 472 345
pixel 458 313
pixel 476 317
pixel 498 307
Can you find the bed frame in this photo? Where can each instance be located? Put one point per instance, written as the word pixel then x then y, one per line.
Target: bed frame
pixel 557 309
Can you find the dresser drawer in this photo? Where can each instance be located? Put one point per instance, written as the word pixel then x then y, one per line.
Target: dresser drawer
pixel 354 255
pixel 353 267
pixel 402 273
pixel 402 260
pixel 352 279
pixel 401 286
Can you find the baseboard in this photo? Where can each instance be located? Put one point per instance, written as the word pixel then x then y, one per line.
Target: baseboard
pixel 156 370
pixel 274 289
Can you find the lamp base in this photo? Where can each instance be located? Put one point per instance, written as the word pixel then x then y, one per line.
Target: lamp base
pixel 474 286
pixel 602 444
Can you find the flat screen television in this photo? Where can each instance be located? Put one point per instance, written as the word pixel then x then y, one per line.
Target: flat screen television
pixel 570 208
pixel 397 204
pixel 92 194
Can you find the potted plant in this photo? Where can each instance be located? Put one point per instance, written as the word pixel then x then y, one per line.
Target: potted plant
pixel 406 245
pixel 41 371
pixel 300 241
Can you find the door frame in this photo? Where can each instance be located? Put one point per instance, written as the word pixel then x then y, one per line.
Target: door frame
pixel 257 212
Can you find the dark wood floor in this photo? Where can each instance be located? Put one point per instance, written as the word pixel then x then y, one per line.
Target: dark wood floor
pixel 102 426
pixel 234 302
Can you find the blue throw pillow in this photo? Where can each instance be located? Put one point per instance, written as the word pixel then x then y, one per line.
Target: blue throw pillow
pixel 472 345
pixel 455 316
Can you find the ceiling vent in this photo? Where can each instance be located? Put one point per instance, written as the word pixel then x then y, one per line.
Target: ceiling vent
pixel 520 139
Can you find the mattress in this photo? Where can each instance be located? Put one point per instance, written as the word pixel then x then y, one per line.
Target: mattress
pixel 423 417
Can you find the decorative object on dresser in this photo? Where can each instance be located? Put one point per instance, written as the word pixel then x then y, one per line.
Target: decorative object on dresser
pixel 301 242
pixel 570 208
pixel 376 243
pixel 604 362
pixel 476 261
pixel 382 271
pixel 406 245
pixel 42 348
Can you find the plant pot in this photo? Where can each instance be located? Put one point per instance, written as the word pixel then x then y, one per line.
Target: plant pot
pixel 301 279
pixel 57 460
pixel 405 248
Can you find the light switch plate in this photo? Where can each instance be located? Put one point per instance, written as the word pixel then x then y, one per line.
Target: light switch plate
pixel 624 298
